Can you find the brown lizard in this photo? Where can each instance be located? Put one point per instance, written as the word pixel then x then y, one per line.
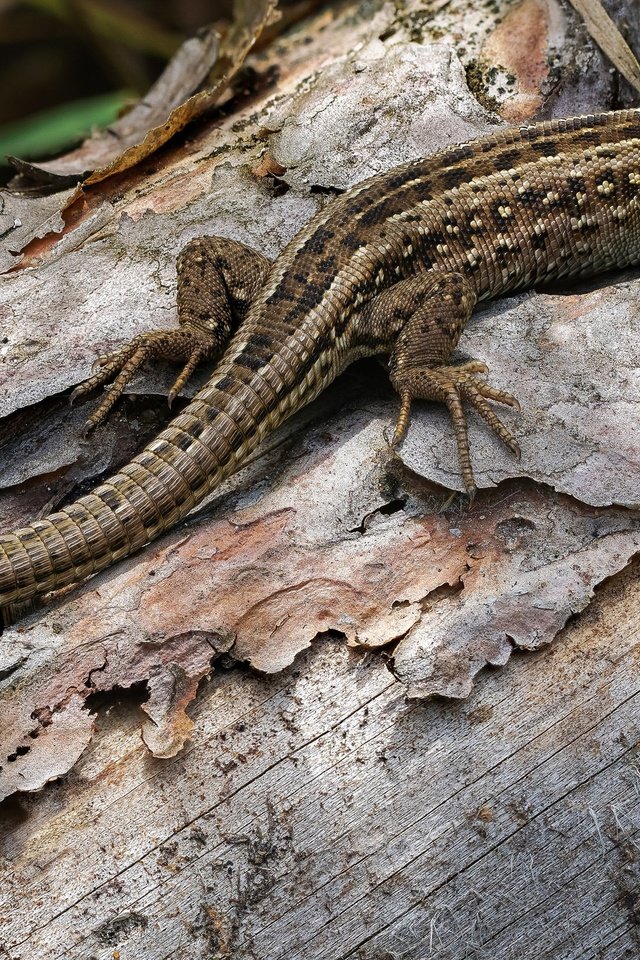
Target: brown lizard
pixel 394 266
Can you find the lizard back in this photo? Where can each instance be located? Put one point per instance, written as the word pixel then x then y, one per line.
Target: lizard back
pixel 523 206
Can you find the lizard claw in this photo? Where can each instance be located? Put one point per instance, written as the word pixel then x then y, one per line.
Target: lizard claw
pixel 197 354
pixel 121 366
pixel 99 363
pixel 450 385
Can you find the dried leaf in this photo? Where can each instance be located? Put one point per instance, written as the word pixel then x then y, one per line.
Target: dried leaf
pixel 168 107
pixel 268 167
pixel 141 125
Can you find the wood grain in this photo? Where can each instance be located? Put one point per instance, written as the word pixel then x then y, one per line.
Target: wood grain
pixel 318 814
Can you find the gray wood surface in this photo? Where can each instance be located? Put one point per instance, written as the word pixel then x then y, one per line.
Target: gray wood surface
pixel 318 814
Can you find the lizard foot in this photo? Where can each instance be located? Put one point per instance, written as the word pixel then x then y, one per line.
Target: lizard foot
pixel 184 344
pixel 450 385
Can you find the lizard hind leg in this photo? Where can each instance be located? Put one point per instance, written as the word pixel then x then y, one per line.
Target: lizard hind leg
pixel 217 280
pixel 424 317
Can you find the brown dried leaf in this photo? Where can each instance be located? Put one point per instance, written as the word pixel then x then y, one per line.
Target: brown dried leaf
pixel 268 167
pixel 144 123
pixel 168 106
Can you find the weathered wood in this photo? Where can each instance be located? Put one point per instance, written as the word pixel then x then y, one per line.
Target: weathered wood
pixel 317 814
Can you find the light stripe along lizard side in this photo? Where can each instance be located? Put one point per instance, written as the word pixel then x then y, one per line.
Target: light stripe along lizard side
pixel 394 266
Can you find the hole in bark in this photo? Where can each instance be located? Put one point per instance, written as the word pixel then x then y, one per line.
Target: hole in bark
pixel 121 928
pixel 326 191
pixel 134 695
pixel 393 506
pixel 279 187
pixel 43 715
pixel 514 531
pixel 447 591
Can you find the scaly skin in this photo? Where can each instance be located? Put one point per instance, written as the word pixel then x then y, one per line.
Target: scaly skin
pixel 394 266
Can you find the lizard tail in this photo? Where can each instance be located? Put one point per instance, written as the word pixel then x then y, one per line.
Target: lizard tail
pixel 152 493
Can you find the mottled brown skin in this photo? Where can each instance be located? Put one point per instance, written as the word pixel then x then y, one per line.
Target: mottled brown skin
pixel 395 266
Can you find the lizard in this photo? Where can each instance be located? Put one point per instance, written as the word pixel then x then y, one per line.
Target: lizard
pixel 394 267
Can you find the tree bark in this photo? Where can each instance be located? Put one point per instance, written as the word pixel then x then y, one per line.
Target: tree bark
pixel 294 803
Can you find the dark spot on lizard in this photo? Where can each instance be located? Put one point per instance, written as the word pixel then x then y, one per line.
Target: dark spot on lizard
pixel 280 294
pixel 606 175
pixel 532 195
pixel 587 136
pixel 210 413
pixel 352 241
pixel 435 238
pixel 327 263
pixel 259 341
pixel 577 184
pixel 464 152
pixel 508 159
pixel 451 179
pixel 539 239
pixel 402 177
pixel 249 361
pixel 545 147
pixel 380 212
pixel 182 441
pixel 499 214
pixel 319 240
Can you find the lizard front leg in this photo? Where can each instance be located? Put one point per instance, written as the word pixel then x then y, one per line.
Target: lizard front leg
pixel 217 280
pixel 422 319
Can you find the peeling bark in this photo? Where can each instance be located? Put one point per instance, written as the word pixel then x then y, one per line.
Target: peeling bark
pixel 315 812
pixel 326 532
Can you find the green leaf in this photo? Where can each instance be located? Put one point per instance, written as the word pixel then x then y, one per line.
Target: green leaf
pixel 50 132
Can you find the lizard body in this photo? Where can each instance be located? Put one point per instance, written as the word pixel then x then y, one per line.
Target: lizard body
pixel 394 266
